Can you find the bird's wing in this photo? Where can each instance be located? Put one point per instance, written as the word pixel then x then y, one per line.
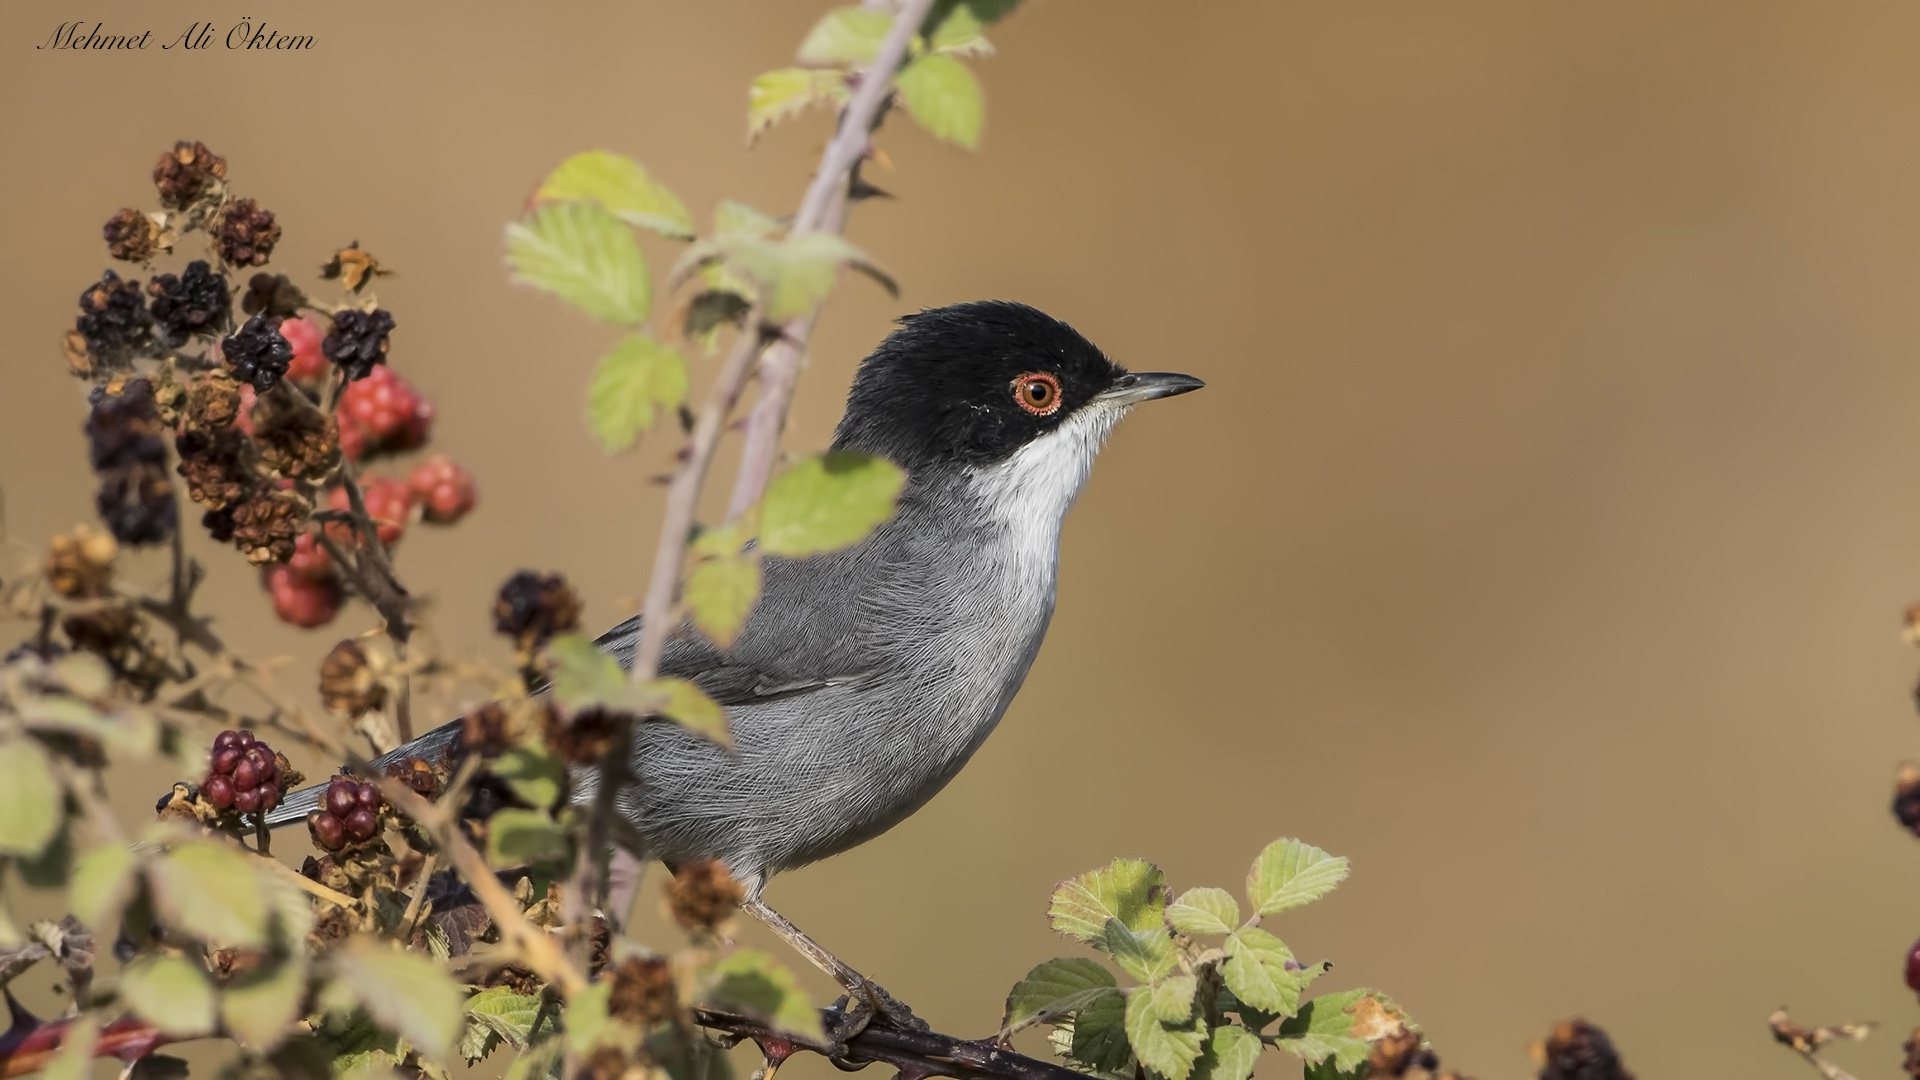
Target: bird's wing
pixel 801 638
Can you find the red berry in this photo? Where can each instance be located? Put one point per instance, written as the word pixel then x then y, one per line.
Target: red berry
pixel 224 740
pixel 417 430
pixel 361 824
pixel 340 797
pixel 244 738
pixel 246 776
pixel 245 420
pixel 269 797
pixel 299 601
pixel 367 796
pixel 327 830
pixel 388 502
pixel 219 792
pixel 309 363
pixel 247 801
pixel 443 488
pixel 310 560
pixel 225 760
pixel 381 405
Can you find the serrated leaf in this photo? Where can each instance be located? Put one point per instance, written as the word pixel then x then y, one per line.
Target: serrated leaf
pixel 520 837
pixel 736 219
pixel 1169 1051
pixel 1055 988
pixel 1173 998
pixel 584 675
pixel 1231 1053
pixel 509 1014
pixel 805 268
pixel 827 502
pixel 210 891
pixel 631 386
pixel 961 33
pixel 535 775
pixel 1204 911
pixel 101 883
pixel 622 186
pixel 760 986
pixel 848 35
pixel 1146 955
pixel 684 703
pixel 1290 873
pixel 1100 1036
pixel 585 255
pixel 1131 890
pixel 260 1006
pixel 720 593
pixel 943 96
pixel 403 992
pixel 170 992
pixel 30 798
pixel 1322 1030
pixel 74 1059
pixel 477 1041
pixel 1257 971
pixel 786 92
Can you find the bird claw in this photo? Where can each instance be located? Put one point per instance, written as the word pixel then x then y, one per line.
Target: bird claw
pixel 865 1004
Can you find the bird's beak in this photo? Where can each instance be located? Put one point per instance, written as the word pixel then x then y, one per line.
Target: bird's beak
pixel 1137 386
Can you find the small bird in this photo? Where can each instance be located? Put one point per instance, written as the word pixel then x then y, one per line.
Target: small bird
pixel 866 678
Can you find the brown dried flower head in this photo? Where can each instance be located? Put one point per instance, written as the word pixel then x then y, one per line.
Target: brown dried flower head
pixel 702 895
pixel 213 401
pixel 606 1063
pixel 297 442
pixel 131 236
pixel 274 294
pixel 247 233
pixel 642 991
pixel 80 563
pixel 347 683
pixel 531 608
pixel 266 525
pixel 1577 1050
pixel 487 731
pixel 187 172
pixel 581 741
pixel 353 268
pixel 214 467
pixel 416 774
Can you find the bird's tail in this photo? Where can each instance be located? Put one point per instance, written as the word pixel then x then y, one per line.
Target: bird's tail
pixel 434 747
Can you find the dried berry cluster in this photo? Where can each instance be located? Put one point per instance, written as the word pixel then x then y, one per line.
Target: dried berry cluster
pixel 1577 1050
pixel 265 407
pixel 245 774
pixel 533 607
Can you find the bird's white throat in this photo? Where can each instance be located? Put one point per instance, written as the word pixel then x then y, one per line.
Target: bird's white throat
pixel 1029 493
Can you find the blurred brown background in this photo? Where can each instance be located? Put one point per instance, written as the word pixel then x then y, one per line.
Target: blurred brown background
pixel 1539 542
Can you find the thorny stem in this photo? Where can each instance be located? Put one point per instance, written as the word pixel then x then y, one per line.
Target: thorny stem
pixel 823 210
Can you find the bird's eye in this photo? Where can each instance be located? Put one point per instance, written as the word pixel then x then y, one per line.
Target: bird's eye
pixel 1037 392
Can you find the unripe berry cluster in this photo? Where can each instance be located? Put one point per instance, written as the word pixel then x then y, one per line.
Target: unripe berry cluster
pixel 243 775
pixel 349 814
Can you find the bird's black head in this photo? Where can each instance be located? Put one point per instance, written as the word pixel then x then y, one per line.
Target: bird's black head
pixel 971 383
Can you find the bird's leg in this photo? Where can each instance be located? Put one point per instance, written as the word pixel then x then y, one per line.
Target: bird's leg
pixel 865 998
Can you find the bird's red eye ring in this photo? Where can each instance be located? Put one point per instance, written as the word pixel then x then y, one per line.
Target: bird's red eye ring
pixel 1038 392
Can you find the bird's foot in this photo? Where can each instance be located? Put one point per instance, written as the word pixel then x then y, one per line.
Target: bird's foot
pixel 865 1003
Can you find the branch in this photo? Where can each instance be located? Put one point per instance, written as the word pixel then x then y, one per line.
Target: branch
pixel 916 1054
pixel 823 210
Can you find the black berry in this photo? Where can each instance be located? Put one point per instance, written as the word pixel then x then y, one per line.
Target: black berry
pixel 358 341
pixel 532 608
pixel 113 320
pixel 257 353
pixel 188 304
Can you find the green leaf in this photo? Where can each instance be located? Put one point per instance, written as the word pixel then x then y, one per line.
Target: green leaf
pixel 1131 890
pixel 1055 988
pixel 1169 1051
pixel 212 892
pixel 584 255
pixel 786 92
pixel 1255 1019
pixel 1289 873
pixel 1257 971
pixel 535 775
pixel 506 1013
pixel 30 798
pixel 827 502
pixel 721 593
pixel 1330 1029
pixel 806 267
pixel 736 219
pixel 943 96
pixel 1146 955
pixel 587 1018
pixel 848 35
pixel 403 992
pixel 756 984
pixel 631 386
pixel 1173 998
pixel 170 992
pixel 583 675
pixel 1204 911
pixel 687 705
pixel 622 186
pixel 101 883
pixel 260 1006
pixel 1232 1051
pixel 54 865
pixel 543 1062
pixel 961 33
pixel 521 837
pixel 1100 1036
pixel 74 1060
